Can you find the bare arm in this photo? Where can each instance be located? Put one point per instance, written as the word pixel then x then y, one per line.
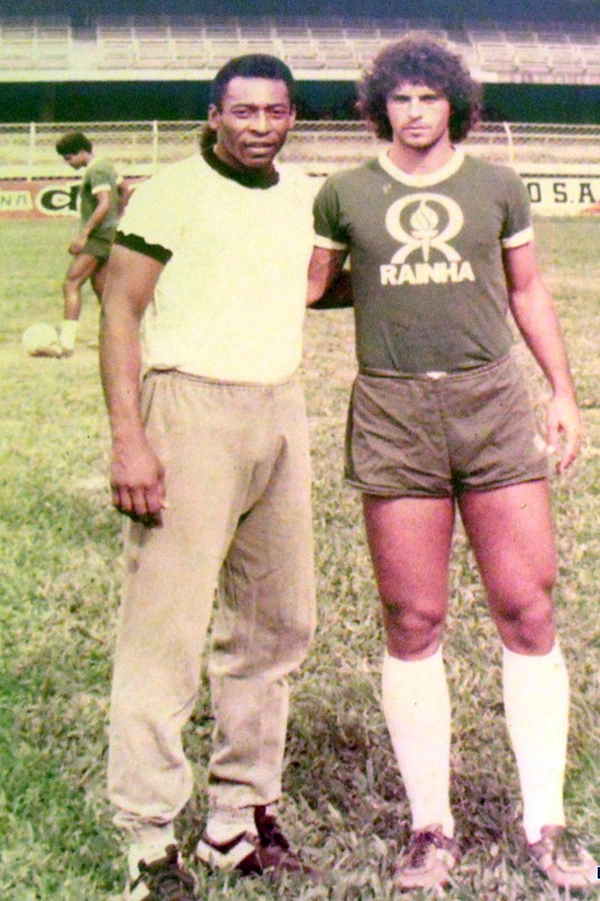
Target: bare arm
pixel 137 475
pixel 98 216
pixel 324 271
pixel 124 193
pixel 534 312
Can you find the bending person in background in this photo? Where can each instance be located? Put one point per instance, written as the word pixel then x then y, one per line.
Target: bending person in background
pixel 441 249
pixel 102 198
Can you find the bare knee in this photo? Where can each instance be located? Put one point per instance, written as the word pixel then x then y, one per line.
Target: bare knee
pixel 526 624
pixel 72 285
pixel 413 630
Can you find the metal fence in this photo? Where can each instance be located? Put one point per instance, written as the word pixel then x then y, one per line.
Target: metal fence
pixel 139 148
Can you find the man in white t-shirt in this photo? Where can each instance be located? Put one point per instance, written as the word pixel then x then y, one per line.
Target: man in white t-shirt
pixel 211 465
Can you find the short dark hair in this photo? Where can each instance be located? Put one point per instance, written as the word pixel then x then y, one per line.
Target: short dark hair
pixel 424 62
pixel 207 138
pixel 251 65
pixel 73 142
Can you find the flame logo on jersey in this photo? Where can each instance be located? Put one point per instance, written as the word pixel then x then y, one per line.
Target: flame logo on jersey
pixel 424 223
pixel 423 229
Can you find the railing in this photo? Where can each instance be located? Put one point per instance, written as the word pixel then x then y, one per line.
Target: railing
pixel 139 148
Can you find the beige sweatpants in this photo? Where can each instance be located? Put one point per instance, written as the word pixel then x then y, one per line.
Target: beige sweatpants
pixel 237 468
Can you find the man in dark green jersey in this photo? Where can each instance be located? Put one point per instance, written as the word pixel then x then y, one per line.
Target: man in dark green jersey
pixel 102 197
pixel 441 250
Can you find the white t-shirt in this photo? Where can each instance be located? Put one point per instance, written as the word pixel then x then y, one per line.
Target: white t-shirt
pixel 230 302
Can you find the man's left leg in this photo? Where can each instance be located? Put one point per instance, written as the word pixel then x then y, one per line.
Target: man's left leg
pixel 262 629
pixel 84 266
pixel 511 533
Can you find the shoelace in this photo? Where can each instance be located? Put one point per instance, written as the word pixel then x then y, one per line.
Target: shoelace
pixel 419 845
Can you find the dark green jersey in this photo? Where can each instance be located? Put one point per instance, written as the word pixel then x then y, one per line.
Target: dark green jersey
pixel 426 259
pixel 100 175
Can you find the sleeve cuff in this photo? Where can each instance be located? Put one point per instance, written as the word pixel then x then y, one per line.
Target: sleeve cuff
pixel 328 243
pixel 519 239
pixel 139 245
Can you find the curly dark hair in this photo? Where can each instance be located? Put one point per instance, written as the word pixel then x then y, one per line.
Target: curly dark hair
pixel 422 62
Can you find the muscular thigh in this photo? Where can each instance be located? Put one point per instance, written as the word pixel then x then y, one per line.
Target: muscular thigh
pixel 409 539
pixel 83 266
pixel 511 533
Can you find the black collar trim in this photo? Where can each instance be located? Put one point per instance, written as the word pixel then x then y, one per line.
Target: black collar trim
pixel 245 177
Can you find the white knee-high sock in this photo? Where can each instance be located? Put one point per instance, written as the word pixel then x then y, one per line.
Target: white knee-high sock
pixel 67 333
pixel 416 705
pixel 536 701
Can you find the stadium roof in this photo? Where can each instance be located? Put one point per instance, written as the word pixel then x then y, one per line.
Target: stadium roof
pixel 450 9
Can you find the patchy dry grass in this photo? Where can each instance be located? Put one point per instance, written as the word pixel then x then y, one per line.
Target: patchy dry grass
pixel 60 574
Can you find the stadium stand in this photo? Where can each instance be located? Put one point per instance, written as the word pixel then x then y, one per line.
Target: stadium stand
pixel 49 54
pixel 39 44
pixel 317 48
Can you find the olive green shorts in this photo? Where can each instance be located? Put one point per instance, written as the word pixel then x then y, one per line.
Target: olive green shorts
pixel 439 435
pixel 98 247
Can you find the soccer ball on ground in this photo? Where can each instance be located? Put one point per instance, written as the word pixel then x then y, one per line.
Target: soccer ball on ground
pixel 41 340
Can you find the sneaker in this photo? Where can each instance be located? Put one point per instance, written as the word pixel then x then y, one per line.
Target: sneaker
pixel 165 879
pixel 563 860
pixel 427 861
pixel 265 851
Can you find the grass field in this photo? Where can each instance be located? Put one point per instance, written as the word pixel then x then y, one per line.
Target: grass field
pixel 60 576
